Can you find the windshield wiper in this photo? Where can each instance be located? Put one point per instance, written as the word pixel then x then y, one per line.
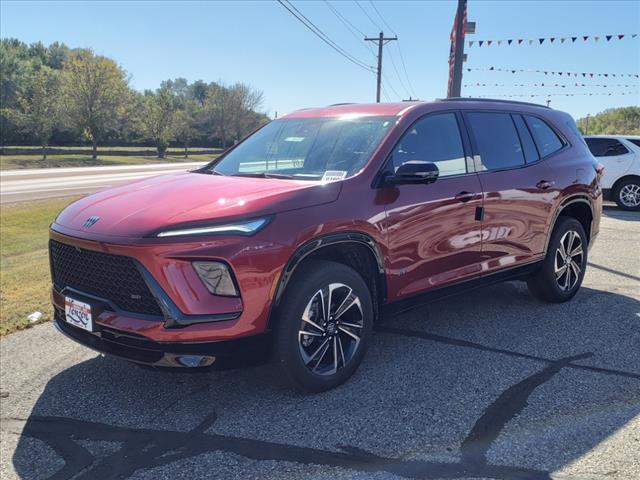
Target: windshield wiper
pixel 262 175
pixel 209 172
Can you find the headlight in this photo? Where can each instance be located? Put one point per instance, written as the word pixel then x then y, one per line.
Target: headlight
pixel 217 278
pixel 239 228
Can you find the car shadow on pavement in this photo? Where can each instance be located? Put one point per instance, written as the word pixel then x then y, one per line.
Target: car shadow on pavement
pixel 619 214
pixel 491 384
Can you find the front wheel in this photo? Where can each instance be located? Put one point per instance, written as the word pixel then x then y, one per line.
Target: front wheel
pixel 627 194
pixel 562 270
pixel 324 326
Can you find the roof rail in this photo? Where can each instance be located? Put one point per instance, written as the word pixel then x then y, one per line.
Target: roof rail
pixel 343 103
pixel 493 100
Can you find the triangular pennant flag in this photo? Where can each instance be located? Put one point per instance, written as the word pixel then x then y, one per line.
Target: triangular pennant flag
pixel 530 42
pixel 597 38
pixel 608 37
pixel 468 69
pixel 591 75
pixel 513 71
pixel 560 73
pixel 621 36
pixel 552 39
pixel 471 44
pixel 613 74
pixel 573 39
pixel 499 42
pixel 584 74
pixel 520 40
pixel 480 42
pixel 546 73
pixel 541 40
pixel 585 37
pixel 606 74
pixel 489 43
pixel 562 40
pixel 634 35
pixel 509 41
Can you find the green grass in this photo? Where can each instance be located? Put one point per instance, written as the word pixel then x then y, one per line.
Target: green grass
pixel 24 265
pixel 11 162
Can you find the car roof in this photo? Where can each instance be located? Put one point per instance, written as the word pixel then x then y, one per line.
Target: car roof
pixel 400 108
pixel 617 137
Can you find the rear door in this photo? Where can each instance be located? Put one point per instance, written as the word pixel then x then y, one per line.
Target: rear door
pixel 517 184
pixel 432 231
pixel 615 157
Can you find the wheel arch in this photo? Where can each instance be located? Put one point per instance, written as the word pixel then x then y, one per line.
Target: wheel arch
pixel 617 183
pixel 577 206
pixel 355 249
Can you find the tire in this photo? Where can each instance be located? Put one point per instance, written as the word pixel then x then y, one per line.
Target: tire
pixel 627 194
pixel 552 283
pixel 327 337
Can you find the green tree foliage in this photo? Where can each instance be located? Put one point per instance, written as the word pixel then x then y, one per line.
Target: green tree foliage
pixel 614 121
pixel 38 107
pixel 96 92
pixel 91 102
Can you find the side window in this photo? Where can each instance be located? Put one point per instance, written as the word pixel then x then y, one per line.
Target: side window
pixel 434 138
pixel 635 141
pixel 496 139
pixel 544 136
pixel 528 147
pixel 606 147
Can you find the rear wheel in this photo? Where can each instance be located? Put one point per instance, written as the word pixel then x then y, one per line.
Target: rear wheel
pixel 627 194
pixel 324 326
pixel 562 270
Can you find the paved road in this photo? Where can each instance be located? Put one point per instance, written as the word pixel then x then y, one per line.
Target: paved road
pixel 492 384
pixel 32 184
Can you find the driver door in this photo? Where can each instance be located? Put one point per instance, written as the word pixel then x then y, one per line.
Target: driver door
pixel 433 236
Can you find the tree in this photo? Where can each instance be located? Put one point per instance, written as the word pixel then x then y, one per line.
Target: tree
pixel 184 130
pixel 96 92
pixel 158 116
pixel 39 107
pixel 614 121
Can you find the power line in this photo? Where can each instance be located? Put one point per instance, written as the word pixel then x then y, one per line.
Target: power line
pixel 322 36
pixel 350 27
pixel 410 90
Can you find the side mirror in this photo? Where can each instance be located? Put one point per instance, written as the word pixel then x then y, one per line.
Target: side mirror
pixel 414 171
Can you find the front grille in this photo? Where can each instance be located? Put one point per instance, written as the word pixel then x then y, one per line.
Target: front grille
pixel 111 277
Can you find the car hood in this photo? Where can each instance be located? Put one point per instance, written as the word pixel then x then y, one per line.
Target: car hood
pixel 143 207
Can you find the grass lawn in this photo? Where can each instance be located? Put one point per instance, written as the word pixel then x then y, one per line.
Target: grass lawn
pixel 24 265
pixel 10 162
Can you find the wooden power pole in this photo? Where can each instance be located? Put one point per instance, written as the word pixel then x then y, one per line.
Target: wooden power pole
pixel 381 40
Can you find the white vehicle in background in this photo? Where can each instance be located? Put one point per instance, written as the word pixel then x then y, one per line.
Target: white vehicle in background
pixel 620 155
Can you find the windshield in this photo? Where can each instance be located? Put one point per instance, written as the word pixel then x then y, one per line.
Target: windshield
pixel 307 148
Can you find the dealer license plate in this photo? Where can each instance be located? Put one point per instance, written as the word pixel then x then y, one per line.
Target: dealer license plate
pixel 78 314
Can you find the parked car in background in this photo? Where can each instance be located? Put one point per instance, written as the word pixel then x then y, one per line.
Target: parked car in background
pixel 620 155
pixel 294 241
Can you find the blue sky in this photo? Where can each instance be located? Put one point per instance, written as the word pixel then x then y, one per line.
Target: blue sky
pixel 260 43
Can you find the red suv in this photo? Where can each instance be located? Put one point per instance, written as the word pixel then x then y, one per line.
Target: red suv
pixel 296 240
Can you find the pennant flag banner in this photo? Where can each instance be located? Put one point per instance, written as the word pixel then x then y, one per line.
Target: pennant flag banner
pixel 551 72
pixel 557 85
pixel 573 94
pixel 548 40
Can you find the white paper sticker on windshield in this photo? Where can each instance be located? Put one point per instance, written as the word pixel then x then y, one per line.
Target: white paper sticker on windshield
pixel 334 175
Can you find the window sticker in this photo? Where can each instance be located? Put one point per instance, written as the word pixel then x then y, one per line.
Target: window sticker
pixel 334 175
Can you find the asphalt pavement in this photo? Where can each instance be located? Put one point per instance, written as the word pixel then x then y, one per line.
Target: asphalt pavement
pixel 38 183
pixel 491 384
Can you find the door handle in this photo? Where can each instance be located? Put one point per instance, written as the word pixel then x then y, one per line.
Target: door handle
pixel 465 196
pixel 544 184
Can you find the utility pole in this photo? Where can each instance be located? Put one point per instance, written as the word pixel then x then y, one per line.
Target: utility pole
pixel 456 54
pixel 381 40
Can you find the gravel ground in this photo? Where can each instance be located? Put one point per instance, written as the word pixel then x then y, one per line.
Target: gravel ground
pixel 491 384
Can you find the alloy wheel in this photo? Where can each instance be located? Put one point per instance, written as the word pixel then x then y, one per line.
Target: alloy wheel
pixel 330 330
pixel 569 260
pixel 630 195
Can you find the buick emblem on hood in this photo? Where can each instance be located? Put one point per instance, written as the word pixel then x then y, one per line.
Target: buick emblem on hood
pixel 91 221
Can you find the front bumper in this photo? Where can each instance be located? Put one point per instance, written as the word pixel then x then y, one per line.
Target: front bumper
pixel 137 348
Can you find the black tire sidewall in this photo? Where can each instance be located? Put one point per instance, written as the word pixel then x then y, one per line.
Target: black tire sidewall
pixel 307 280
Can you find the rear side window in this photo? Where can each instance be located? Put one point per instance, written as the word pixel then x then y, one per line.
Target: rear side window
pixel 546 139
pixel 606 147
pixel 635 141
pixel 496 139
pixel 434 138
pixel 528 147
